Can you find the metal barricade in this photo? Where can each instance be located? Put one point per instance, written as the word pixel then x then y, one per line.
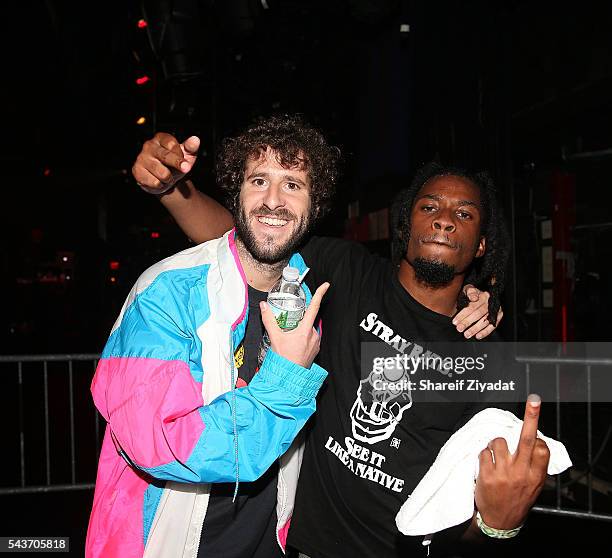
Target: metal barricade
pixel 43 362
pixel 588 364
pixel 69 360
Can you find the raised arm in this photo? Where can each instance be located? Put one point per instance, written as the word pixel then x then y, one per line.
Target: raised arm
pixel 509 484
pixel 161 169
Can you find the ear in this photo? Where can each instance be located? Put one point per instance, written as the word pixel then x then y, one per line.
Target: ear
pixel 482 247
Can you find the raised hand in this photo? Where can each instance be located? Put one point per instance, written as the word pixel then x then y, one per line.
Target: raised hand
pixel 473 320
pixel 299 345
pixel 509 484
pixel 163 161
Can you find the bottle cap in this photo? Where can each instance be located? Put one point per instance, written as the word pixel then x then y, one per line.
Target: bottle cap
pixel 291 273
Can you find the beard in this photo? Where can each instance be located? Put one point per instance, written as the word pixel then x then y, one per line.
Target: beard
pixel 433 273
pixel 269 250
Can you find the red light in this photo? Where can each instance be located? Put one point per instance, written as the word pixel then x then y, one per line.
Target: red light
pixel 114 265
pixel 142 24
pixel 154 235
pixel 47 172
pixel 142 80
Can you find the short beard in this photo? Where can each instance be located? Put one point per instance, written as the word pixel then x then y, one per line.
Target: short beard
pixel 433 273
pixel 268 252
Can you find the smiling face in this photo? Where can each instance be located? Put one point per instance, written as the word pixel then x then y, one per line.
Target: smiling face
pixel 445 225
pixel 274 210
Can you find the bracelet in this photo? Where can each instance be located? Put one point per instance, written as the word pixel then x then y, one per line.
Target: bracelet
pixel 496 533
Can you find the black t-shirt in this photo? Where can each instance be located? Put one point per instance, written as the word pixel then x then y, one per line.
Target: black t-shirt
pixel 246 527
pixel 366 450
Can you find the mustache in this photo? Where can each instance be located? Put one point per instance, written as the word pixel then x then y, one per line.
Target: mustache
pixel 440 239
pixel 281 213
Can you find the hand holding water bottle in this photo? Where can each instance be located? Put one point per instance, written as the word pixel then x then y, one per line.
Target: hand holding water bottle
pixel 299 345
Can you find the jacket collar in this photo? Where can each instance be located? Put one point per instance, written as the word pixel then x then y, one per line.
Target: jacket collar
pixel 234 288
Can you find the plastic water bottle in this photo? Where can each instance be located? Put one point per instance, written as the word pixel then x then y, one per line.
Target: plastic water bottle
pixel 287 300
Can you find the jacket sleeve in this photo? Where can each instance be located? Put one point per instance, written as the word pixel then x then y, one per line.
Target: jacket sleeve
pixel 150 392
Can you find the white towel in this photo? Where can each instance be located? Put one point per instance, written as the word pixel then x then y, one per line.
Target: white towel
pixel 445 495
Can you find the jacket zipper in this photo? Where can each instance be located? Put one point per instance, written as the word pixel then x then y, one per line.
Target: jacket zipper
pixel 233 381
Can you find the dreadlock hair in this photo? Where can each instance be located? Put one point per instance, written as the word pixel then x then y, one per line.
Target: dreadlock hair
pixel 295 143
pixel 486 273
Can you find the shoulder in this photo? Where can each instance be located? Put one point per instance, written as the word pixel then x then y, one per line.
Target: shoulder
pixel 331 243
pixel 326 250
pixel 348 266
pixel 180 269
pixel 167 284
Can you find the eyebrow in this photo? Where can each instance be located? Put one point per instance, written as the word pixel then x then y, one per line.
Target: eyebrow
pixel 461 203
pixel 286 177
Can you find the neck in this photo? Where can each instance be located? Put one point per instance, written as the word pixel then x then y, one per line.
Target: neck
pixel 259 275
pixel 440 298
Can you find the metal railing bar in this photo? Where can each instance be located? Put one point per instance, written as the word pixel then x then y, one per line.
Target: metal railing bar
pixel 49 358
pixel 558 408
pixel 535 359
pixel 528 378
pixel 572 513
pixel 589 441
pixel 47 440
pixel 21 424
pixel 564 360
pixel 72 438
pixel 44 489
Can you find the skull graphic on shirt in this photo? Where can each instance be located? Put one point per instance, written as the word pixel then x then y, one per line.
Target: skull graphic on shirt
pixel 381 400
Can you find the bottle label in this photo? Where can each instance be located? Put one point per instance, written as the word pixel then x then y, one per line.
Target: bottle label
pixel 286 319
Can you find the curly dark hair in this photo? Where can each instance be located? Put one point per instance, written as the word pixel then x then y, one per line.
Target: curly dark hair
pixel 295 142
pixel 486 273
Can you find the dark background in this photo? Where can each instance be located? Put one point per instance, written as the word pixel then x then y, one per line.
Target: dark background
pixel 522 89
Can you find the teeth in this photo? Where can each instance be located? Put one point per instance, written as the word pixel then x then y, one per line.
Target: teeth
pixel 271 221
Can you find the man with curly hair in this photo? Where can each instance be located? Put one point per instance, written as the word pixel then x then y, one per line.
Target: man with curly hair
pixel 197 458
pixel 367 449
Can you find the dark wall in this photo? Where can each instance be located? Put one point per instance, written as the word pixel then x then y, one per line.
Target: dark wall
pixel 519 89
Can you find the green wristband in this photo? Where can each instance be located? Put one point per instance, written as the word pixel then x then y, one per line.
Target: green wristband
pixel 496 533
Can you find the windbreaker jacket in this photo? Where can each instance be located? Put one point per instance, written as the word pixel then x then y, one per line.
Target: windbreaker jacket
pixel 175 420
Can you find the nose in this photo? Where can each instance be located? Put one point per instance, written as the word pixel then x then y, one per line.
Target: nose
pixel 443 222
pixel 273 198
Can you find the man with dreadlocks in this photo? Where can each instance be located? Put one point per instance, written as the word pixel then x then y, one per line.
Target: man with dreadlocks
pixel 485 268
pixel 367 450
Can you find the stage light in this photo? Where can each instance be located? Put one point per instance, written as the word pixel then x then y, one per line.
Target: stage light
pixel 113 279
pixel 142 80
pixel 154 235
pixel 142 24
pixel 64 258
pixel 114 265
pixel 141 121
